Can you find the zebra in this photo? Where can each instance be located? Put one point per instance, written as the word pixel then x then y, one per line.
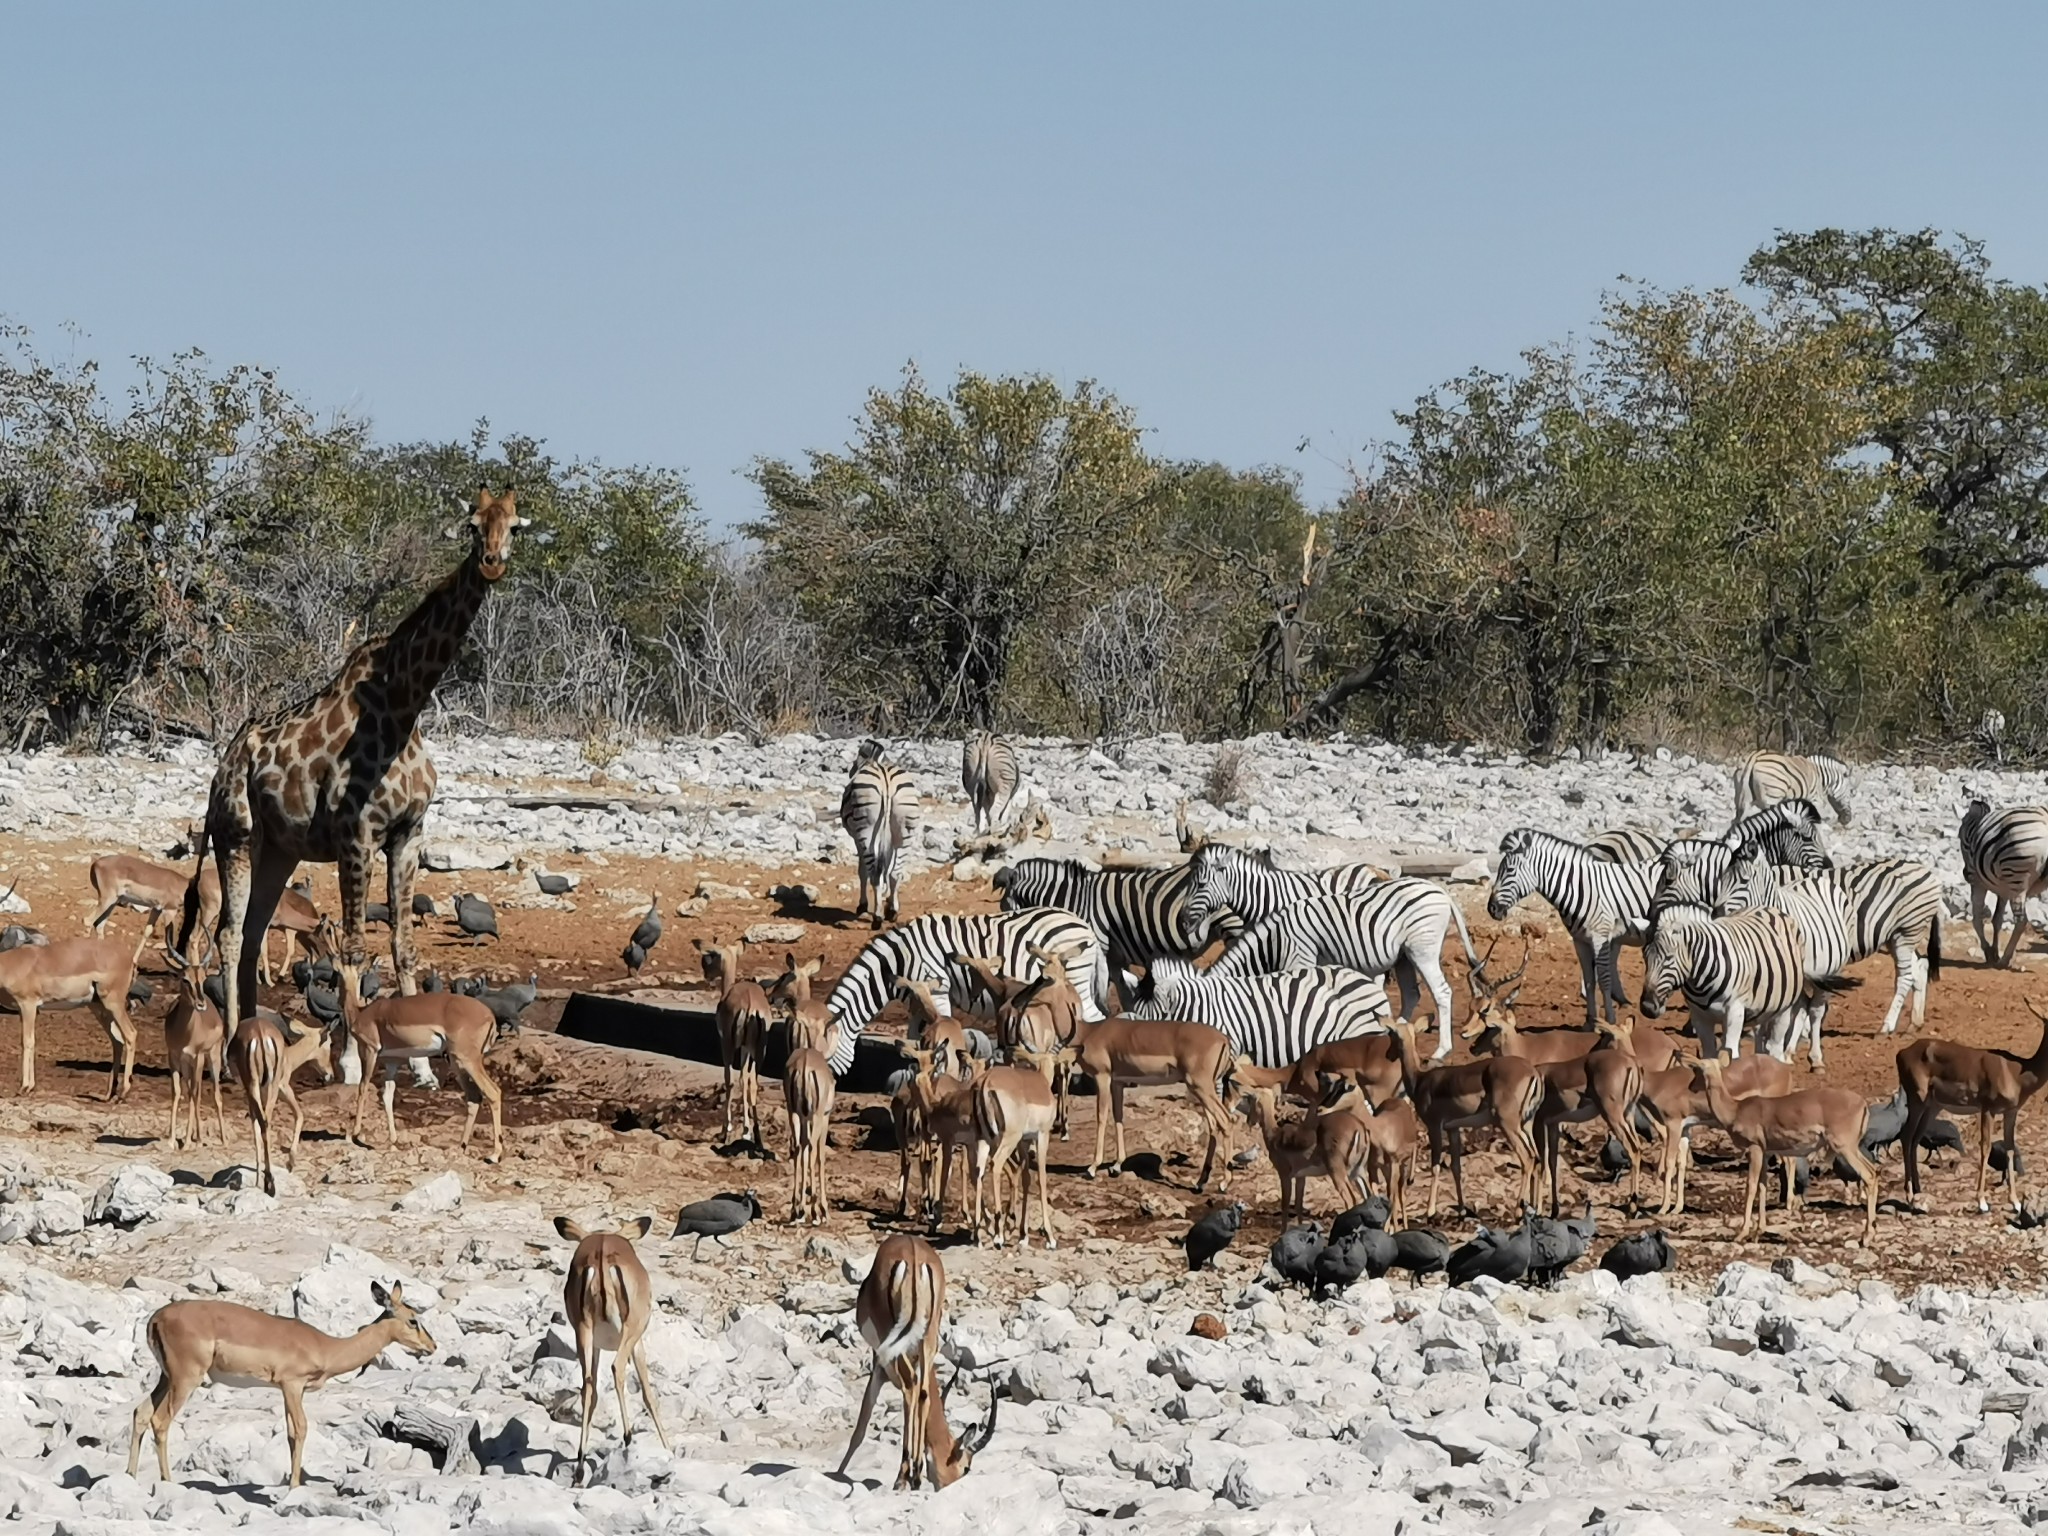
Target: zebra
pixel 989 774
pixel 1223 878
pixel 879 811
pixel 1696 868
pixel 1890 904
pixel 1270 1021
pixel 2005 859
pixel 922 950
pixel 1626 845
pixel 1138 913
pixel 1820 907
pixel 1765 777
pixel 1603 904
pixel 1397 925
pixel 1740 967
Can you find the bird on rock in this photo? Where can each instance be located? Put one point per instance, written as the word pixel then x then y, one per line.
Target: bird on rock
pixel 1646 1253
pixel 508 1002
pixel 1420 1251
pixel 551 885
pixel 1554 1246
pixel 1372 1211
pixel 475 917
pixel 717 1218
pixel 1502 1255
pixel 1294 1254
pixel 1212 1234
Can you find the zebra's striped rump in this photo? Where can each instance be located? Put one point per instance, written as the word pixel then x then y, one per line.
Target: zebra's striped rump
pixel 1140 914
pixel 1226 879
pixel 922 950
pixel 1269 1021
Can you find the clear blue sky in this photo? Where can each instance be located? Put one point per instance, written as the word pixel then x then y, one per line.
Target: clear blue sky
pixel 687 235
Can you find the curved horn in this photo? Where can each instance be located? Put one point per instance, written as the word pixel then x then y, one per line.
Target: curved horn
pixel 1475 979
pixel 1516 974
pixel 980 1437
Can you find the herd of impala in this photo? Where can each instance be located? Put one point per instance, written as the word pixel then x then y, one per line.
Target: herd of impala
pixel 1371 1105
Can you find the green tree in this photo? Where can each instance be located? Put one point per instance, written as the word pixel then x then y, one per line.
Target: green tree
pixel 953 533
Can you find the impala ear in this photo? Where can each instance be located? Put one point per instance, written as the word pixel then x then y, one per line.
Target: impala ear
pixel 638 1229
pixel 569 1229
pixel 382 1297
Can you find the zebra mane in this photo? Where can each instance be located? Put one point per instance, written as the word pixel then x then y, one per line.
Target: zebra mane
pixel 1665 905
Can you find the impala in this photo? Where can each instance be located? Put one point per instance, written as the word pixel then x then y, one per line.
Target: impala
pixel 1674 1099
pixel 195 1040
pixel 1938 1074
pixel 298 920
pixel 74 973
pixel 1126 1053
pixel 398 1028
pixel 1013 1105
pixel 1500 1091
pixel 743 1020
pixel 901 1304
pixel 265 1059
pixel 1802 1124
pixel 1321 1142
pixel 609 1301
pixel 123 880
pixel 810 1022
pixel 236 1346
pixel 808 1091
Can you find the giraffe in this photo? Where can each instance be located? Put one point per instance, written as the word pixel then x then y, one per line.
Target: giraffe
pixel 343 775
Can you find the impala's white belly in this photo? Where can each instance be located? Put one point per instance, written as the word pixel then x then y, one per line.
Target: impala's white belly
pixel 230 1379
pixel 433 1045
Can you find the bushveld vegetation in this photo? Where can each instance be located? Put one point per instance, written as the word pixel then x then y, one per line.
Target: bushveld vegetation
pixel 1806 513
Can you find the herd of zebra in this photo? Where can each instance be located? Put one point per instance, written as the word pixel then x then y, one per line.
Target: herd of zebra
pixel 1754 925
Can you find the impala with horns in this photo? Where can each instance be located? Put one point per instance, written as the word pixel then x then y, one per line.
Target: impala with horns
pixel 901 1305
pixel 609 1300
pixel 236 1346
pixel 74 973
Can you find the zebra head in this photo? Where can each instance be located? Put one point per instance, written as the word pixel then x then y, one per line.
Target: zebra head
pixel 1751 881
pixel 1667 951
pixel 1037 883
pixel 1516 877
pixel 1685 872
pixel 1213 882
pixel 1836 777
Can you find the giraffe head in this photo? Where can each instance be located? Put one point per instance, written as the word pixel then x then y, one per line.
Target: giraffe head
pixel 491 525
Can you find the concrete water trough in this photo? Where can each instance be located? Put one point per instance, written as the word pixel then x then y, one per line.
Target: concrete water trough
pixel 685 1025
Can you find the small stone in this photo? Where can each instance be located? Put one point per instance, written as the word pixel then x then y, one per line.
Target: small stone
pixel 717 890
pixel 443 1192
pixel 131 1196
pixel 775 933
pixel 1208 1325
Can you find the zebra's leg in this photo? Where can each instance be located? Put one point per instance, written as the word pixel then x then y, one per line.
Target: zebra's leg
pixel 1912 981
pixel 1981 909
pixel 1816 1016
pixel 1703 1029
pixel 1429 967
pixel 1589 980
pixel 1733 1035
pixel 2020 924
pixel 1404 977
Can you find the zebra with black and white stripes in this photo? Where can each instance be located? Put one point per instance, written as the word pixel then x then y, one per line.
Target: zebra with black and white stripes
pixel 1397 925
pixel 1748 966
pixel 1626 845
pixel 1226 879
pixel 1891 904
pixel 922 950
pixel 879 811
pixel 990 775
pixel 1820 908
pixel 1764 778
pixel 1602 904
pixel 2005 859
pixel 1140 914
pixel 1271 1021
pixel 1696 868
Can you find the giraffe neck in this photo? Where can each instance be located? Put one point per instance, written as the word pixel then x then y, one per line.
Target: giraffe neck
pixel 427 640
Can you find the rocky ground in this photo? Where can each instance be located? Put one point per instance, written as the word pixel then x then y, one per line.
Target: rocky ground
pixel 1900 1386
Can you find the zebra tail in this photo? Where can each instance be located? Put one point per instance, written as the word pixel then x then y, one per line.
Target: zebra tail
pixel 1934 948
pixel 1464 937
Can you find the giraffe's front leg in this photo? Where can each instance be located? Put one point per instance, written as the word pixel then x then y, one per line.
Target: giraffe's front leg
pixel 401 869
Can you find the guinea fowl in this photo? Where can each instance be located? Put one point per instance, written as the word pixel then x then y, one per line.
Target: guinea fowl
pixel 1420 1251
pixel 1373 1211
pixel 551 885
pixel 140 991
pixel 1294 1254
pixel 14 935
pixel 1212 1234
pixel 1554 1246
pixel 1364 1251
pixel 644 938
pixel 1646 1253
pixel 475 917
pixel 377 912
pixel 508 1002
pixel 717 1218
pixel 468 986
pixel 1504 1256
